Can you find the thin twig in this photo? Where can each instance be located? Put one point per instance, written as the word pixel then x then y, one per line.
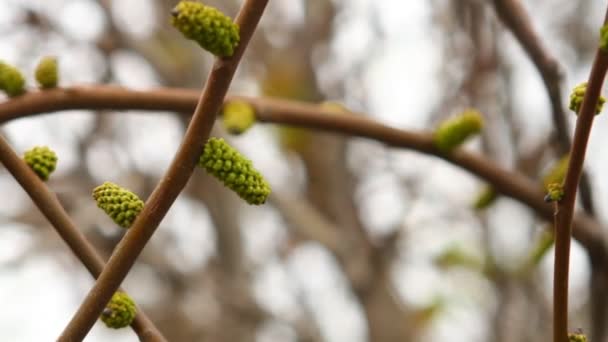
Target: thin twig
pixel 172 183
pixel 53 210
pixel 511 184
pixel 565 210
pixel 514 16
pixel 517 20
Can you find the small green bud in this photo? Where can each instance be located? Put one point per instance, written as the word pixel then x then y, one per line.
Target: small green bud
pixel 544 243
pixel 541 247
pixel 557 173
pixel 206 25
pixel 119 312
pixel 576 99
pixel 577 337
pixel 456 257
pixel 11 80
pixel 555 192
pixel 485 198
pixel 238 116
pixel 604 38
pixel 456 130
pixel 334 107
pixel 42 160
pixel 46 73
pixel 234 170
pixel 293 138
pixel 120 204
pixel 427 313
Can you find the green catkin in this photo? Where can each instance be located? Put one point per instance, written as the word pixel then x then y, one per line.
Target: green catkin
pixel 576 99
pixel 538 251
pixel 296 139
pixel 120 204
pixel 577 337
pixel 456 257
pixel 42 160
pixel 119 312
pixel 238 117
pixel 293 138
pixel 47 74
pixel 557 172
pixel 427 313
pixel 485 198
pixel 334 107
pixel 604 38
pixel 12 82
pixel 546 240
pixel 206 25
pixel 454 131
pixel 234 170
pixel 555 192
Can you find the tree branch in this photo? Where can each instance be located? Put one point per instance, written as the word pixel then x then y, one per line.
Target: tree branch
pixel 509 183
pixel 53 210
pixel 172 183
pixel 515 17
pixel 565 208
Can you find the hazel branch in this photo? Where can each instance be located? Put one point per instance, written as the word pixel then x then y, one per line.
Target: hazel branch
pixel 278 111
pixel 171 184
pixel 565 208
pixel 50 207
pixel 516 19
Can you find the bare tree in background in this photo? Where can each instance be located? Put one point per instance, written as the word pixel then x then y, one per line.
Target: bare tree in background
pixel 361 239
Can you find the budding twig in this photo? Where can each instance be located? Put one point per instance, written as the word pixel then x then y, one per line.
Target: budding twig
pixel 171 184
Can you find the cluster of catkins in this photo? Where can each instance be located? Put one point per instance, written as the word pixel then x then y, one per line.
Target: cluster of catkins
pixel 12 82
pixel 218 34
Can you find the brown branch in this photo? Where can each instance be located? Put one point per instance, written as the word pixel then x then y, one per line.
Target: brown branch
pixel 565 209
pixel 97 97
pixel 511 184
pixel 172 183
pixel 53 210
pixel 514 16
pixel 516 19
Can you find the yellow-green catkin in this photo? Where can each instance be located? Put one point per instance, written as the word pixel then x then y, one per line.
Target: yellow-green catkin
pixel 47 74
pixel 576 99
pixel 485 198
pixel 206 25
pixel 12 82
pixel 335 107
pixel 234 170
pixel 238 116
pixel 293 138
pixel 555 192
pixel 119 312
pixel 456 257
pixel 557 172
pixel 540 249
pixel 429 312
pixel 454 131
pixel 297 139
pixel 604 38
pixel 577 337
pixel 42 160
pixel 120 204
